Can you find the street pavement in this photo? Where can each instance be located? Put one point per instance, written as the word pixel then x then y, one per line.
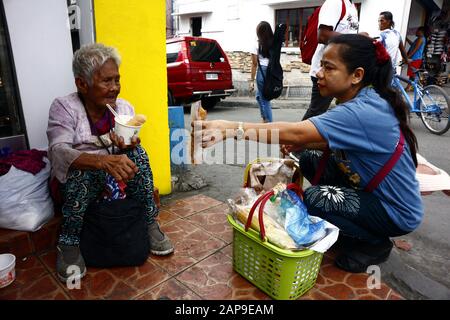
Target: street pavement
pixel 420 273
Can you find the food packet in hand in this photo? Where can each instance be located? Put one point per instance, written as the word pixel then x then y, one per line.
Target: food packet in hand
pixel 137 121
pixel 197 113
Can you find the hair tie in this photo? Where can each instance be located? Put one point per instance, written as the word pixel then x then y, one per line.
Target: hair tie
pixel 381 55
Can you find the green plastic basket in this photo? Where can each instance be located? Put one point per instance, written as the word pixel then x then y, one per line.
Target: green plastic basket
pixel 282 274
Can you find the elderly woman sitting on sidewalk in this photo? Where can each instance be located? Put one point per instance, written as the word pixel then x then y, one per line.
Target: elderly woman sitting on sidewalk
pixel 82 152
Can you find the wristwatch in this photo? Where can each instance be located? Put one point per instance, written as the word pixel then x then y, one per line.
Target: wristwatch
pixel 240 131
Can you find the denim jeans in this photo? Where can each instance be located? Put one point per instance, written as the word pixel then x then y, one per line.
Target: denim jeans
pixel 264 105
pixel 358 214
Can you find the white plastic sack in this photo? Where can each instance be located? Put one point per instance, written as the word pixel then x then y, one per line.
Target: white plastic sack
pixel 275 223
pixel 25 202
pixel 331 236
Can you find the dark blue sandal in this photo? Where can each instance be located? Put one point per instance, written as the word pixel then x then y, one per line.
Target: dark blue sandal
pixel 356 261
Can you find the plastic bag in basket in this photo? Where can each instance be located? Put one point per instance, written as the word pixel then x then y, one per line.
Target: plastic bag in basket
pixel 286 220
pixel 276 234
pixel 303 228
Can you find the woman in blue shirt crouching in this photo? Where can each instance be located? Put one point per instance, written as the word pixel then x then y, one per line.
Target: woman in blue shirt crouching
pixel 363 132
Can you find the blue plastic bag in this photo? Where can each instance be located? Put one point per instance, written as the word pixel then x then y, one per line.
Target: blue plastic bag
pixel 297 222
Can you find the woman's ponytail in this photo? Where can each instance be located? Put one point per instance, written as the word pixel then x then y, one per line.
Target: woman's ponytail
pixel 382 82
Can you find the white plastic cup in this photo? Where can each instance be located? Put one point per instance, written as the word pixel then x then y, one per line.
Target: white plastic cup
pixel 7 269
pixel 125 131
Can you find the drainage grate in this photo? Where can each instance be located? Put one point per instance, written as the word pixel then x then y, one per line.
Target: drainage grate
pixel 296 92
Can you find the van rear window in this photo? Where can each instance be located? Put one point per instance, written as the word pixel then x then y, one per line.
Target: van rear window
pixel 204 51
pixel 172 50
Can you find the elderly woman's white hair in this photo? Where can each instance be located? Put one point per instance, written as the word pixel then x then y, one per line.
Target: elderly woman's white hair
pixel 89 58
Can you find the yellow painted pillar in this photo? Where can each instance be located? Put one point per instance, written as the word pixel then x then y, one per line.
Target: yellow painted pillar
pixel 137 29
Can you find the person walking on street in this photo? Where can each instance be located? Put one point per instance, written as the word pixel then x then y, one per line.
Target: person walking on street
pixel 391 38
pixel 260 62
pixel 415 53
pixel 330 25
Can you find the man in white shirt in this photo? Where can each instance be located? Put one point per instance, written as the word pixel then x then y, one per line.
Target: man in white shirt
pixel 329 26
pixel 391 38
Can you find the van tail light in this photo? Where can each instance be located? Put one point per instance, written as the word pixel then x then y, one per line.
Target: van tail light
pixel 184 52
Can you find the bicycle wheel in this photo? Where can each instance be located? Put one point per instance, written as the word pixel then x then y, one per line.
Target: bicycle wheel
pixel 434 110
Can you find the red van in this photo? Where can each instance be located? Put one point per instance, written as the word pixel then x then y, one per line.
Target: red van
pixel 197 68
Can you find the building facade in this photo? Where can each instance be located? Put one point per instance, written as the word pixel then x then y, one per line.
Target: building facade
pixel 170 28
pixel 233 23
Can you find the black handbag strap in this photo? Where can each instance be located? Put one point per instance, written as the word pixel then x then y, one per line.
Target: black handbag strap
pixel 92 125
pixel 381 174
pixel 259 65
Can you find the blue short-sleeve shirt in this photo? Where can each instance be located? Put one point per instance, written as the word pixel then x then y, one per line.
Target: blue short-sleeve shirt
pixel 366 131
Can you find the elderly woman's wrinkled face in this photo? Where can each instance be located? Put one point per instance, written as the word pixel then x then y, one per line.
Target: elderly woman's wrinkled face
pixel 105 85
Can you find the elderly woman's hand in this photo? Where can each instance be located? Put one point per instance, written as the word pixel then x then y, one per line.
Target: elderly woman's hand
pixel 212 132
pixel 119 166
pixel 120 143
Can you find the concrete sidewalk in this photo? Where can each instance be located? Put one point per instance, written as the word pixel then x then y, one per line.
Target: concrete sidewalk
pixel 250 102
pixel 201 267
pixel 421 272
pixel 300 101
